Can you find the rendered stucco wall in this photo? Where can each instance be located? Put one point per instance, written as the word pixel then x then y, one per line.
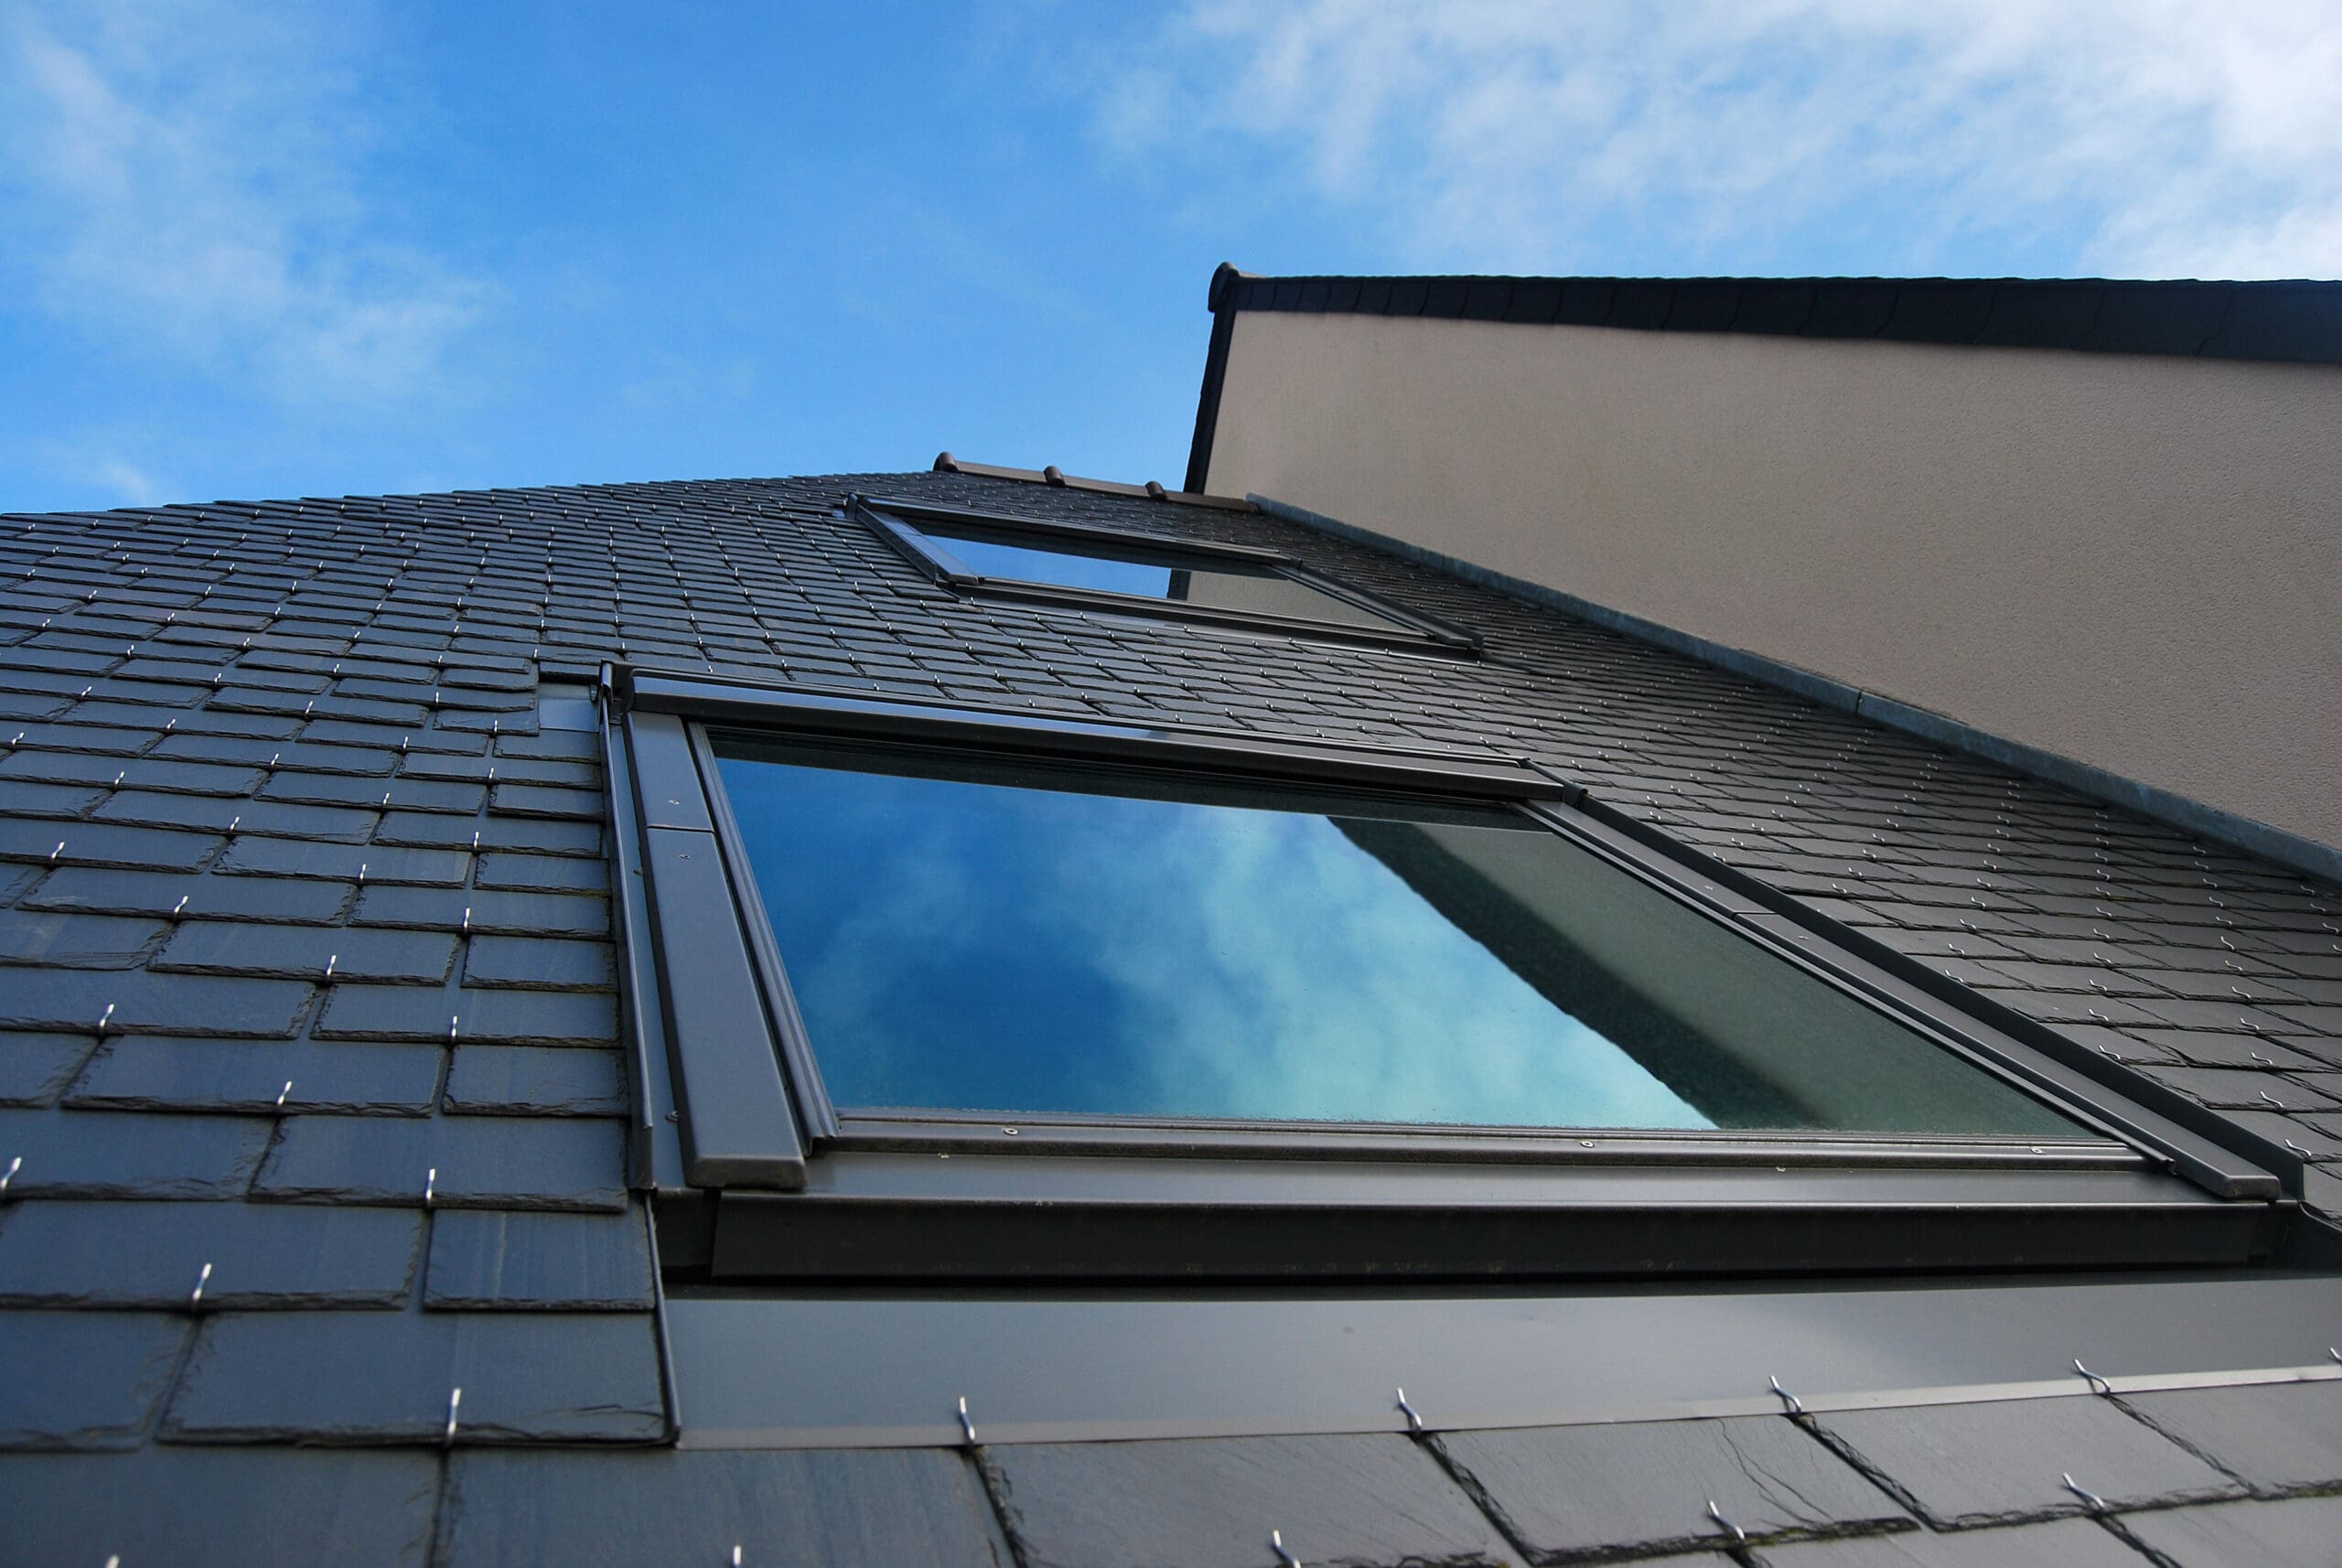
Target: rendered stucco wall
pixel 2132 561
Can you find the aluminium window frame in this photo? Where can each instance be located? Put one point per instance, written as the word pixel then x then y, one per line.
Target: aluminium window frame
pixel 895 522
pixel 756 1176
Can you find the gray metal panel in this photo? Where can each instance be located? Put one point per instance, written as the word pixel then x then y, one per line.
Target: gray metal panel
pixel 738 1125
pixel 824 1369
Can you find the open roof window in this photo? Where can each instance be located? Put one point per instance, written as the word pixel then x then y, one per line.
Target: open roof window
pixel 1130 572
pixel 937 991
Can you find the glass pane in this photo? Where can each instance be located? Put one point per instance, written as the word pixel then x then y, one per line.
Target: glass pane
pixel 1149 574
pixel 997 938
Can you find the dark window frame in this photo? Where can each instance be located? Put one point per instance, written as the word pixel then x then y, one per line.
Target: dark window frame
pixel 896 522
pixel 756 1176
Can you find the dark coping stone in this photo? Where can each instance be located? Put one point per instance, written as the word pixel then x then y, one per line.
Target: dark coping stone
pixel 507 1017
pixel 303 951
pixel 2300 1533
pixel 102 843
pixel 1958 1465
pixel 35 1067
pixel 532 962
pixel 1704 305
pixel 2042 315
pixel 2059 1543
pixel 1585 302
pixel 375 1377
pixel 540 1080
pixel 2277 1436
pixel 496 1259
pixel 1407 296
pixel 1641 303
pixel 371 864
pixel 220 1508
pixel 154 1004
pixel 1313 293
pixel 867 1508
pixel 153 1254
pixel 1485 299
pixel 1939 313
pixel 519 914
pixel 61 939
pixel 2154 319
pixel 1844 308
pixel 1210 1502
pixel 213 897
pixel 543 873
pixel 482 1163
pixel 1644 1487
pixel 1374 297
pixel 81 1380
pixel 2281 321
pixel 1774 307
pixel 1534 300
pixel 150 1072
pixel 107 1154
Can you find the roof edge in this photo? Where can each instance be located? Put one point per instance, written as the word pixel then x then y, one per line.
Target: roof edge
pixel 2168 806
pixel 945 463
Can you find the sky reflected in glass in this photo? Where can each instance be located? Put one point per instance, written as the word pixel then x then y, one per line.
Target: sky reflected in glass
pixel 1150 573
pixel 970 944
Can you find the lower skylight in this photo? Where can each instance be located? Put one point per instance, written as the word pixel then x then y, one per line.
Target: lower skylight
pixel 970 936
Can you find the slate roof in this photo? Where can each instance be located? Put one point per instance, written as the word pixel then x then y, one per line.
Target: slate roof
pixel 309 1054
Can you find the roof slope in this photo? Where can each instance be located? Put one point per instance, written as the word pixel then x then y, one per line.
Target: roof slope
pixel 309 1063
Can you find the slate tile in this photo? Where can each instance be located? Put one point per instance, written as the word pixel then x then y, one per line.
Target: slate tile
pixel 159 892
pixel 537 1081
pixel 2278 1437
pixel 866 1508
pixel 53 843
pixel 2297 1533
pixel 509 1017
pixel 371 864
pixel 1961 1466
pixel 543 873
pixel 210 947
pixel 220 1508
pixel 535 963
pixel 35 1067
pixel 105 1154
pixel 545 800
pixel 62 940
pixel 399 793
pixel 153 1254
pixel 1575 1491
pixel 2059 1543
pixel 1367 1499
pixel 157 1004
pixel 147 1072
pixel 504 1261
pixel 481 1163
pixel 76 1379
pixel 236 812
pixel 19 798
pixel 2247 1088
pixel 517 914
pixel 258 1377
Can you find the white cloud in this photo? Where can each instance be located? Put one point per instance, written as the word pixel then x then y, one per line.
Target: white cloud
pixel 192 180
pixel 2144 137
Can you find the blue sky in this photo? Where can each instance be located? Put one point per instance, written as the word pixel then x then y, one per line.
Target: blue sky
pixel 252 251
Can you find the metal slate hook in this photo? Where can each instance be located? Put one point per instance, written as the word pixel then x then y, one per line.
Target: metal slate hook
pixel 2096 1503
pixel 967 1424
pixel 1276 1544
pixel 2098 1384
pixel 455 1402
pixel 1716 1514
pixel 1787 1399
pixel 1414 1422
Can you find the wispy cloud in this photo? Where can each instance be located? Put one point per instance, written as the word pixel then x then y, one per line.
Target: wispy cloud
pixel 191 181
pixel 2146 138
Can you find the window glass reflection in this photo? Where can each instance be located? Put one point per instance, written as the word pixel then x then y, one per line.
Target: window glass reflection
pixel 970 936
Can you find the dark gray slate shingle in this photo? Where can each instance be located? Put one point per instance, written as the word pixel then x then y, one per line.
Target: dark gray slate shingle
pixel 1205 1502
pixel 1575 1491
pixel 369 1377
pixel 2305 1532
pixel 83 1380
pixel 481 1163
pixel 154 1254
pixel 2279 1437
pixel 499 1258
pixel 219 1507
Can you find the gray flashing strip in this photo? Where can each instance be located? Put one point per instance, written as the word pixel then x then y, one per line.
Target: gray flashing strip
pixel 2147 800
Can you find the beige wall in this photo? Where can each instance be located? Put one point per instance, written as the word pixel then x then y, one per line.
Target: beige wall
pixel 2127 560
